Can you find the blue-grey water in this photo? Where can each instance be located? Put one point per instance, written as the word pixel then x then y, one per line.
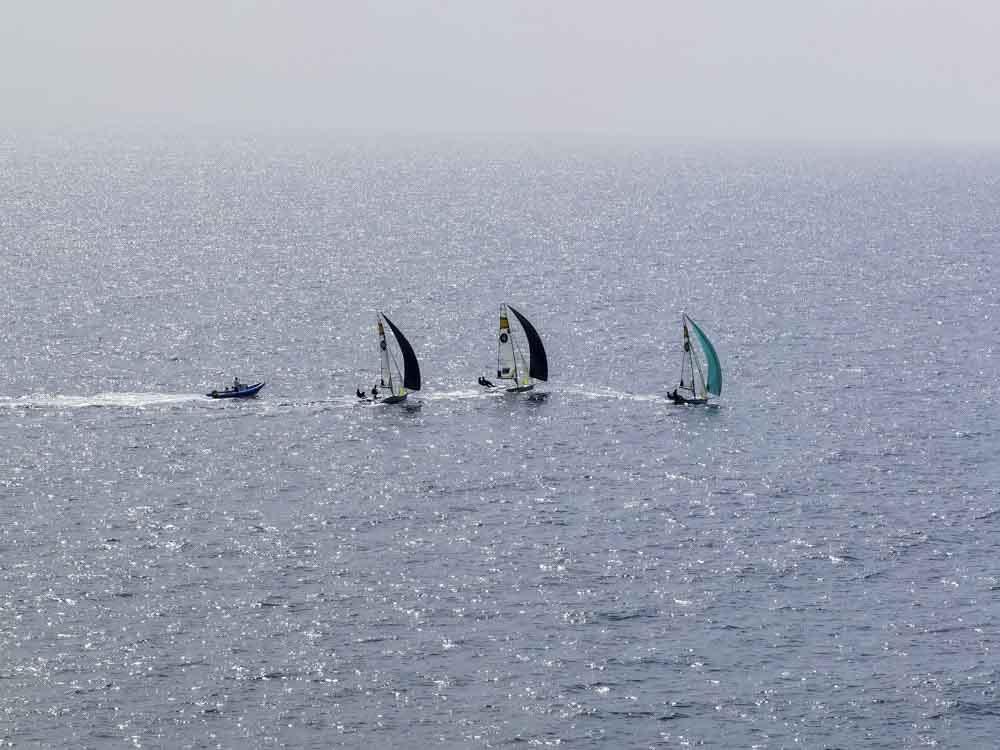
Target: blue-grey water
pixel 811 564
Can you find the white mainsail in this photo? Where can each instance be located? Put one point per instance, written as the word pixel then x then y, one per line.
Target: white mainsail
pixel 385 368
pixel 507 364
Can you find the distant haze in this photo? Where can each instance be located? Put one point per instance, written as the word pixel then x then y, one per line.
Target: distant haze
pixel 869 70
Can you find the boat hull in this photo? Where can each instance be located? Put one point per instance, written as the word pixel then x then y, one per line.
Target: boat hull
pixel 394 399
pixel 687 401
pixel 249 392
pixel 521 388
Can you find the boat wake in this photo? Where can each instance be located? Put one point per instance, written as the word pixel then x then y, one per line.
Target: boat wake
pixel 610 394
pixel 107 400
pixel 151 400
pixel 466 393
pixel 588 392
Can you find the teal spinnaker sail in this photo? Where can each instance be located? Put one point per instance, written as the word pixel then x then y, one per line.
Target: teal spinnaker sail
pixel 714 381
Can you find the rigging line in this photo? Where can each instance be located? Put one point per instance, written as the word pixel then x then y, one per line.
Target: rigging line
pixel 513 347
pixel 501 344
pixel 517 351
pixel 696 367
pixel 382 360
pixel 701 375
pixel 513 355
pixel 387 362
pixel 695 372
pixel 696 376
pixel 683 363
pixel 399 371
pixel 687 367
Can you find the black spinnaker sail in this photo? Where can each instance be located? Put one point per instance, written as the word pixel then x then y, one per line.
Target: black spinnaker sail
pixel 411 369
pixel 539 365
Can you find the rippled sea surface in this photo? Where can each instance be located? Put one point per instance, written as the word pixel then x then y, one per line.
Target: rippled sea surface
pixel 812 563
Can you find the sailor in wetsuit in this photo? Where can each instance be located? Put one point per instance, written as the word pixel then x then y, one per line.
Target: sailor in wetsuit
pixel 484 382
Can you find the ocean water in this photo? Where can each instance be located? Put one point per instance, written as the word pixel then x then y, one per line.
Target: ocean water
pixel 811 563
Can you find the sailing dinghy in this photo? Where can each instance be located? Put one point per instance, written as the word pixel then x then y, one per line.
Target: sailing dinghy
pixel 697 382
pixel 513 362
pixel 395 378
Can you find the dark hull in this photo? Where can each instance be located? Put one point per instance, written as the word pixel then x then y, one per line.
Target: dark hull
pixel 380 400
pixel 248 392
pixel 521 388
pixel 687 401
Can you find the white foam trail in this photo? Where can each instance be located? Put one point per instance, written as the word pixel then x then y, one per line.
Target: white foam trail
pixel 337 402
pixel 408 405
pixel 143 400
pixel 544 390
pixel 608 393
pixel 119 400
pixel 463 394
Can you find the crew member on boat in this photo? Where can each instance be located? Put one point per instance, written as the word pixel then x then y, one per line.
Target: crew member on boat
pixel 485 383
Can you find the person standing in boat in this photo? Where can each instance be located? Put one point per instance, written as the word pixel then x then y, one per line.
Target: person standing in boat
pixel 236 384
pixel 374 393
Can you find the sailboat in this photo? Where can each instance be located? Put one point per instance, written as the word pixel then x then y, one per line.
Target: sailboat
pixel 513 363
pixel 394 380
pixel 697 383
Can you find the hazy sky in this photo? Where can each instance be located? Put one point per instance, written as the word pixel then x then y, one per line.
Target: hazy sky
pixel 817 69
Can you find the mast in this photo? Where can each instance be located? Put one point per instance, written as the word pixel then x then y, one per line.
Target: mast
pixel 499 342
pixel 514 352
pixel 384 364
pixel 507 368
pixel 697 376
pixel 687 364
pixel 690 365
